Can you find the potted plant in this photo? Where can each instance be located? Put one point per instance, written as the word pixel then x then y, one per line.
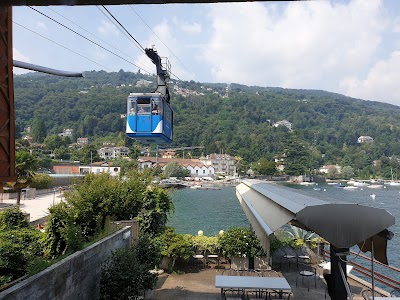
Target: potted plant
pixel 240 244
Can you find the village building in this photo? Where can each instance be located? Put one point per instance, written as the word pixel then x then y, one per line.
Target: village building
pixel 195 166
pixel 223 164
pixel 113 152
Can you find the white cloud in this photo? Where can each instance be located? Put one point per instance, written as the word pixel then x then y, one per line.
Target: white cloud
pixel 17 55
pixel 381 83
pixel 165 33
pixel 193 28
pixel 40 25
pixel 108 29
pixel 303 45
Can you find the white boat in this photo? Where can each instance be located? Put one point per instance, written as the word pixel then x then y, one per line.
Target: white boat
pixel 350 187
pixel 375 186
pixel 394 183
pixel 360 183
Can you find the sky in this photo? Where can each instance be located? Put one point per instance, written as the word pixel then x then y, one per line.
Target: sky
pixel 351 47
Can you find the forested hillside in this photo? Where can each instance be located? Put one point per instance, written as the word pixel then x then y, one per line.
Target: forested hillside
pixel 326 125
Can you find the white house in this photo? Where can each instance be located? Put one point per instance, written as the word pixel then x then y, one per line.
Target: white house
pixel 223 164
pixel 113 152
pixel 285 123
pixel 100 167
pixel 195 166
pixel 364 139
pixel 325 169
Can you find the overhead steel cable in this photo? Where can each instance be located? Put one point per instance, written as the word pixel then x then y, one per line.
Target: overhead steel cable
pixel 161 40
pixel 63 46
pixel 116 25
pixel 123 27
pixel 97 44
pixel 105 42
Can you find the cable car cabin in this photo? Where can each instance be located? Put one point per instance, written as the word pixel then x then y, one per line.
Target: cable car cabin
pixel 149 118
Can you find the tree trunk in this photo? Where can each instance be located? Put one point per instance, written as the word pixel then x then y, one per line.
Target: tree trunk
pixel 19 191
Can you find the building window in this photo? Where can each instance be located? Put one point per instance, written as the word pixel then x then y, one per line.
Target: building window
pixel 204 171
pixel 197 171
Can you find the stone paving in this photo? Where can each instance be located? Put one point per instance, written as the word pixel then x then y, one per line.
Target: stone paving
pixel 198 283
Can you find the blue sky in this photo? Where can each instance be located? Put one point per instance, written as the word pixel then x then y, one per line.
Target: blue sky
pixel 349 47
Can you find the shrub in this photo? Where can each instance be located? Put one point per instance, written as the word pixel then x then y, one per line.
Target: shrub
pixel 13 262
pixel 28 238
pixel 205 243
pixel 176 245
pixel 240 241
pixel 41 181
pixel 13 218
pixel 123 276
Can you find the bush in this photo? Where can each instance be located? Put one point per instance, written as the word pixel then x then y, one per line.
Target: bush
pixel 240 241
pixel 175 245
pixel 123 276
pixel 41 181
pixel 13 262
pixel 28 238
pixel 13 218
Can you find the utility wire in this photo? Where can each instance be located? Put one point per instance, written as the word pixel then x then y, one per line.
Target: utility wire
pixel 161 41
pixel 86 38
pixel 123 28
pixel 91 34
pixel 63 46
pixel 119 23
pixel 116 25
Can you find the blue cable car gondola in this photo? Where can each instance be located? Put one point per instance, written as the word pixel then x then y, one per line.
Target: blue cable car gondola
pixel 149 116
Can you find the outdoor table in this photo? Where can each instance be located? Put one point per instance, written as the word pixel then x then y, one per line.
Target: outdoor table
pixel 251 282
pixel 327 266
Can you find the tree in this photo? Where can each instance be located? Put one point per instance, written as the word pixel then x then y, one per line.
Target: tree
pixel 265 167
pixel 347 172
pixel 174 169
pixel 332 172
pixel 38 131
pixel 25 168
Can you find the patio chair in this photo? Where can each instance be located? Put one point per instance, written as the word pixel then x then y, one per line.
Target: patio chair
pixel 256 295
pixel 287 257
pixel 214 255
pixel 199 256
pixel 308 271
pixel 233 294
pixel 279 295
pixel 367 294
pixel 395 293
pixel 302 256
pixel 269 273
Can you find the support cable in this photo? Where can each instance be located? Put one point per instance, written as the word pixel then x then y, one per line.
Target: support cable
pixel 97 44
pixel 105 42
pixel 63 47
pixel 161 41
pixel 123 28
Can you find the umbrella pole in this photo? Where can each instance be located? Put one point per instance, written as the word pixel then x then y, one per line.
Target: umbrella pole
pixel 372 268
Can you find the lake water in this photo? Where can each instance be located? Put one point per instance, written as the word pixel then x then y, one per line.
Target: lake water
pixel 215 210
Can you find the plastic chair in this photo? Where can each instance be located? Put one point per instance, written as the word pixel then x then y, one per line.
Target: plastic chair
pixel 279 295
pixel 367 294
pixel 307 271
pixel 256 295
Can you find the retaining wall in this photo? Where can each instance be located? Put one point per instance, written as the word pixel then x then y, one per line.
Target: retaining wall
pixel 75 277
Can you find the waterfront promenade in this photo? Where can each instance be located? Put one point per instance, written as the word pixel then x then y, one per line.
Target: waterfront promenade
pixel 37 207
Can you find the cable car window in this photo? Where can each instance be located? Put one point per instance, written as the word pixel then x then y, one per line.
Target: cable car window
pixel 132 106
pixel 143 106
pixel 156 107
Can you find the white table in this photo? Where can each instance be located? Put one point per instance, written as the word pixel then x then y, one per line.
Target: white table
pixel 327 266
pixel 251 282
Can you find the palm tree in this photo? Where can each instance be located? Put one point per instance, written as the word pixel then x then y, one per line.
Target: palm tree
pixel 25 168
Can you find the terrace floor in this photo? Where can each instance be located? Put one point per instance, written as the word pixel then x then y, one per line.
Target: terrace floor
pixel 197 282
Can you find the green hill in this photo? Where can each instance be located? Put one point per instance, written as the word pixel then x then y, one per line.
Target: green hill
pixel 326 124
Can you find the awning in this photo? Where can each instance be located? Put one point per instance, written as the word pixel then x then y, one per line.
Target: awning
pixel 269 207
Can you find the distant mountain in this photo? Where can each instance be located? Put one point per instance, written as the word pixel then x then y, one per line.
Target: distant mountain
pixel 240 124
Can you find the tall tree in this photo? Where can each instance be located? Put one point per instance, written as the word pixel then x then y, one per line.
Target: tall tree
pixel 38 131
pixel 25 168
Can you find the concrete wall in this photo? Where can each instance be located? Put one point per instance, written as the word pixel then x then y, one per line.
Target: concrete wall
pixel 75 277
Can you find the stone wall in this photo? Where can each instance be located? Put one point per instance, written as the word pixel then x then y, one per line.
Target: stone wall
pixel 75 277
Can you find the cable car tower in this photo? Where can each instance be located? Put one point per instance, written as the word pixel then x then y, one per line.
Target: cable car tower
pixel 149 117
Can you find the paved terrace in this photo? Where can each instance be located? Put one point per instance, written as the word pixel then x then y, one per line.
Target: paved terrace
pixel 198 283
